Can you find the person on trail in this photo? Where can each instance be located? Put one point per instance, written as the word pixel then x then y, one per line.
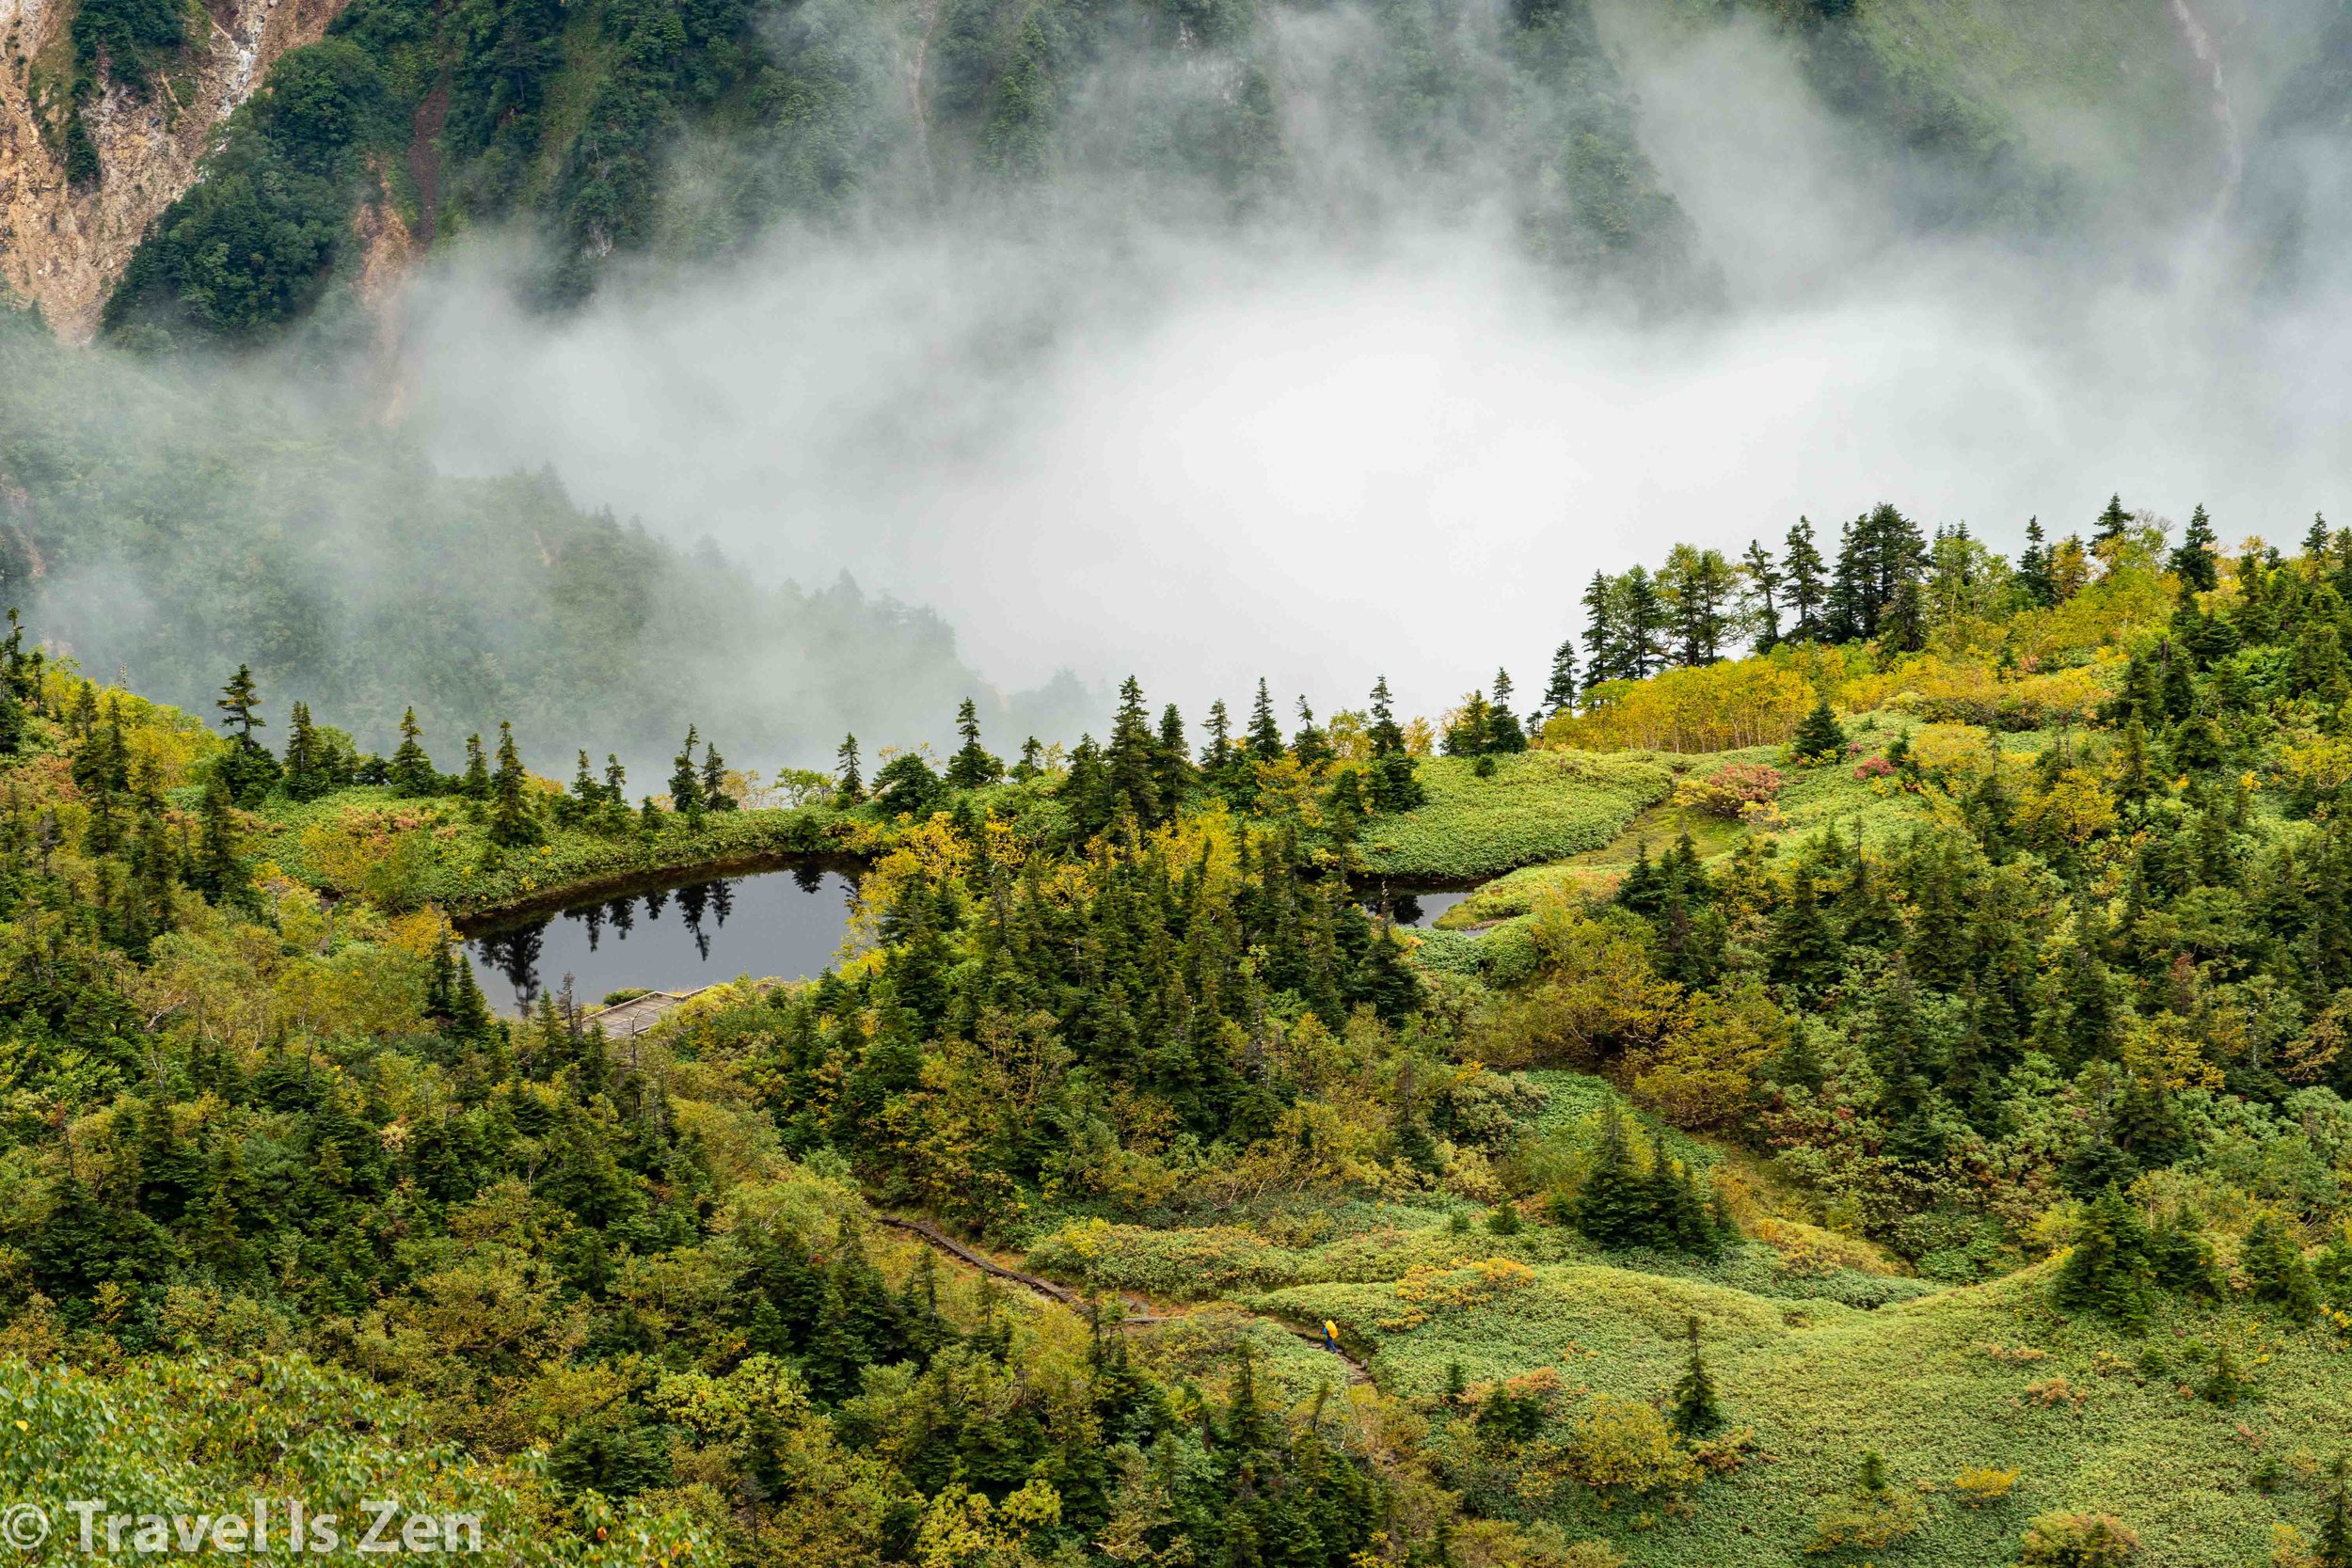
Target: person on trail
pixel 1331 1336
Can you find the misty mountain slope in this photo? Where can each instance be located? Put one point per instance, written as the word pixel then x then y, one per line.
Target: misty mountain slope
pixel 679 130
pixel 173 535
pixel 2021 117
pixel 2298 173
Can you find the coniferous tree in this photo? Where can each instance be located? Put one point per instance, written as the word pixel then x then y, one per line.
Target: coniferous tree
pixel 1640 620
pixel 304 775
pixel 685 785
pixel 412 773
pixel 1697 1410
pixel 1131 757
pixel 1086 790
pixel 1217 753
pixel 615 783
pixel 1807 584
pixel 1820 738
pixel 2033 567
pixel 1312 744
pixel 2196 562
pixel 1612 1206
pixel 219 872
pixel 475 784
pixel 2114 522
pixel 1396 779
pixel 1467 736
pixel 1171 762
pixel 1760 584
pixel 587 794
pixel 1695 589
pixel 248 768
pixel 1602 636
pixel 241 700
pixel 1266 734
pixel 2273 1265
pixel 714 781
pixel 849 784
pixel 11 720
pixel 1504 733
pixel 511 821
pixel 1560 691
pixel 2107 1271
pixel 972 766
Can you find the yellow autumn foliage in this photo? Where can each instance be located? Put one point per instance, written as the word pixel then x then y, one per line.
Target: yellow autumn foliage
pixel 1712 707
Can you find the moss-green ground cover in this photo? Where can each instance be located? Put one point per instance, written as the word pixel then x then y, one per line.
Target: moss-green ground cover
pixel 1535 807
pixel 1934 1385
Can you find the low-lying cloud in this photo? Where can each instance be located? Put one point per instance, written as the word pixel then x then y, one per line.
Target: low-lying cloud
pixel 1320 452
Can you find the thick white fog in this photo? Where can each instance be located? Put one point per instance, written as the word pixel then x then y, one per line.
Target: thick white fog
pixel 1322 452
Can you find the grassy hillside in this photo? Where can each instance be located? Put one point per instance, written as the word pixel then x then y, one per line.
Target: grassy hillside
pixel 1934 1385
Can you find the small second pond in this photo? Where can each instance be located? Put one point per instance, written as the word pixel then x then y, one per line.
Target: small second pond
pixel 671 936
pixel 1417 907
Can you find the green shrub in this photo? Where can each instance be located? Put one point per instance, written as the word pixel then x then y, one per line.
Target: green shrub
pixel 2078 1540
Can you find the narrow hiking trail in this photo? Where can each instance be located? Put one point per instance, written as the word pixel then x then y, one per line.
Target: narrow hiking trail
pixel 1358 1373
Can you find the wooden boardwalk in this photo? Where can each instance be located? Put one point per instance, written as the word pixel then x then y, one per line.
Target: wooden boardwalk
pixel 1357 1371
pixel 625 1020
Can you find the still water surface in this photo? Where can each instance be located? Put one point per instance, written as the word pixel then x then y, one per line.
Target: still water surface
pixel 785 923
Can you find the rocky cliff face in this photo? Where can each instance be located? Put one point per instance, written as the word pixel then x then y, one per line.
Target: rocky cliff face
pixel 64 246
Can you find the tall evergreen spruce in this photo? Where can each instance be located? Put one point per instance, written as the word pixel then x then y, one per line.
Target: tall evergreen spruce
pixel 1503 732
pixel 1131 759
pixel 1696 1410
pixel 686 783
pixel 1395 780
pixel 1806 578
pixel 1761 586
pixel 1265 734
pixel 715 796
pixel 412 773
pixel 2033 567
pixel 474 783
pixel 2196 562
pixel 972 766
pixel 849 784
pixel 511 819
pixel 1560 691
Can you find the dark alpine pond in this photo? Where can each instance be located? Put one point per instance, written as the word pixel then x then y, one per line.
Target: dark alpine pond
pixel 1412 906
pixel 671 935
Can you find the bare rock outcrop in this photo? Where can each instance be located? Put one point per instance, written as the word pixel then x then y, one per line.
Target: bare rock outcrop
pixel 64 246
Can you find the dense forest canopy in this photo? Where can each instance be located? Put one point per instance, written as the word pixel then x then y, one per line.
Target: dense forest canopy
pixel 1997 983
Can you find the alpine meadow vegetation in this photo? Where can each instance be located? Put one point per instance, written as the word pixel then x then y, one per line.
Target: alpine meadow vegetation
pixel 1887 1103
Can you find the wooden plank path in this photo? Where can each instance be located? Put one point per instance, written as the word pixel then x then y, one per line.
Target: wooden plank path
pixel 639 1013
pixel 625 1020
pixel 1357 1371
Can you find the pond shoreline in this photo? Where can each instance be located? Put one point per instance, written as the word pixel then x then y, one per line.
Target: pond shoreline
pixel 544 903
